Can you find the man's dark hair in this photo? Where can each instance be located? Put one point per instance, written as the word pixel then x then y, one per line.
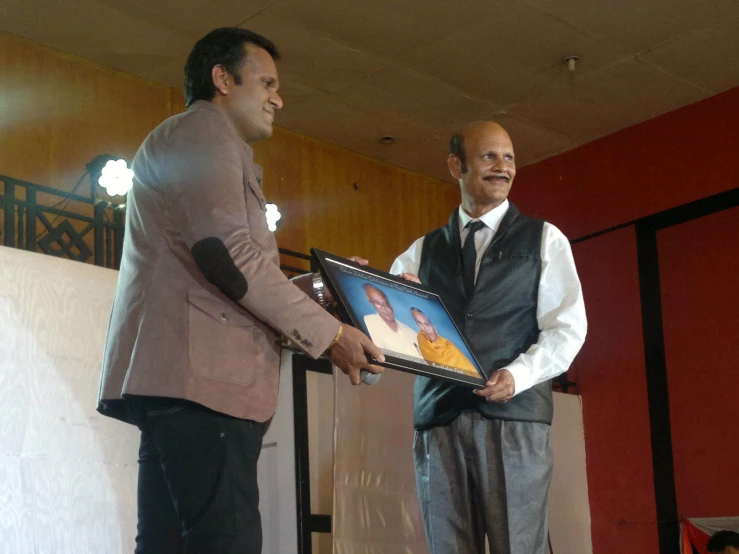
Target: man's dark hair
pixel 721 540
pixel 224 46
pixel 456 147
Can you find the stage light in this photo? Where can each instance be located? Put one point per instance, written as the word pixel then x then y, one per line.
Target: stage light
pixel 273 216
pixel 110 172
pixel 116 178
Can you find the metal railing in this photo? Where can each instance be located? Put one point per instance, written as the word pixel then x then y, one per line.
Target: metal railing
pixel 42 219
pixel 51 221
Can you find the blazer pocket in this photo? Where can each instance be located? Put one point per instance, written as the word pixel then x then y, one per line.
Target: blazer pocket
pixel 221 343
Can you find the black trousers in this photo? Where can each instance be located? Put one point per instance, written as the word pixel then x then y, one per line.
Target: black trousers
pixel 197 490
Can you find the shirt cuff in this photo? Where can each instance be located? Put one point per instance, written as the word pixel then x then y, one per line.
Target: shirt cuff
pixel 521 377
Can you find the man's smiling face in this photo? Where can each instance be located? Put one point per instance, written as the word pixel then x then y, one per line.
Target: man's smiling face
pixel 490 166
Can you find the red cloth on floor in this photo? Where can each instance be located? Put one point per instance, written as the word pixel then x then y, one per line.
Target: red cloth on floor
pixel 692 536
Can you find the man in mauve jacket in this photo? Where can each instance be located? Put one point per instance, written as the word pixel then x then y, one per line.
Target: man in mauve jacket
pixel 193 347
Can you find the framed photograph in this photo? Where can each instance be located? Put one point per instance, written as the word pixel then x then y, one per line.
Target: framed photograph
pixel 406 320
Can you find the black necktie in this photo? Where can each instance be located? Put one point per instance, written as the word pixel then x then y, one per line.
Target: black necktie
pixel 469 256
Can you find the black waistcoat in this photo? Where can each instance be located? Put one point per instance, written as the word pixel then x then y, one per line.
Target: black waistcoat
pixel 499 320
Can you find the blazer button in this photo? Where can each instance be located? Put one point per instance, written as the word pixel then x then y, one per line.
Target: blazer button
pixel 224 317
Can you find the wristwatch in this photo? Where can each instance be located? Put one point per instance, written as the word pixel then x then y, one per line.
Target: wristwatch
pixel 318 289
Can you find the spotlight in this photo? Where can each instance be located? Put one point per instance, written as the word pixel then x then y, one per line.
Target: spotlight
pixel 273 216
pixel 110 172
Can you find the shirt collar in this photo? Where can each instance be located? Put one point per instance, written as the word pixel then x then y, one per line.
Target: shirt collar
pixel 491 219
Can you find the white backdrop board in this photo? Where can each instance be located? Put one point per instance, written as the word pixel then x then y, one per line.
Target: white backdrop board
pixel 569 506
pixel 67 474
pixel 375 505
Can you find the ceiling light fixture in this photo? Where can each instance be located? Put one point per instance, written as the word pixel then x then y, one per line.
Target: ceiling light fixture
pixel 571 62
pixel 387 140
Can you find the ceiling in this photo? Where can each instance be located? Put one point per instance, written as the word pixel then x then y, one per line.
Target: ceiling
pixel 354 71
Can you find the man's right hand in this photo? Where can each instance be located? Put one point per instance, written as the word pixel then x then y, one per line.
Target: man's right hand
pixel 348 354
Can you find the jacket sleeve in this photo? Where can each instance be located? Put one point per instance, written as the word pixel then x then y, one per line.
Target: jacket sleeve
pixel 205 187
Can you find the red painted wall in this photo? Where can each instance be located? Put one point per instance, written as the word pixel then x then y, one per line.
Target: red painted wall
pixel 699 274
pixel 674 159
pixel 612 380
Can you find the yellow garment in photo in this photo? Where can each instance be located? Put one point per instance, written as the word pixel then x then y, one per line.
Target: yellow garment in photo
pixel 442 351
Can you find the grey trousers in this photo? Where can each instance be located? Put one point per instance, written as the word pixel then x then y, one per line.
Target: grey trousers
pixel 479 477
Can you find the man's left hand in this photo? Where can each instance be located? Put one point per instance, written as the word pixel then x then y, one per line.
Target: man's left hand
pixel 499 388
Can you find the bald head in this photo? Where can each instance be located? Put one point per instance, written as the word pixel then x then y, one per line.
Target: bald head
pixel 424 324
pixel 380 302
pixel 457 142
pixel 481 159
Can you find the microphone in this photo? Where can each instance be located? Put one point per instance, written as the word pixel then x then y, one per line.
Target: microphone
pixel 369 378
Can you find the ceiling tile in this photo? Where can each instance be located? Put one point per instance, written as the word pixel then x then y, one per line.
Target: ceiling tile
pixel 394 29
pixel 707 57
pixel 638 25
pixel 190 18
pixel 428 158
pixel 312 59
pixel 91 37
pixel 417 99
pixel 532 142
pixel 169 71
pixel 326 117
pixel 354 71
pixel 293 95
pixel 512 59
pixel 586 107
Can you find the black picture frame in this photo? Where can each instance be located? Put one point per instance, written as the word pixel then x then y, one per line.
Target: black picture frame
pixel 409 303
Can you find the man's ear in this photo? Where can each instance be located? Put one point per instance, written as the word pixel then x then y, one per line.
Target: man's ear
pixel 221 79
pixel 455 166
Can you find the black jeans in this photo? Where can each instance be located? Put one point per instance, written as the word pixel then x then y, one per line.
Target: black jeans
pixel 197 490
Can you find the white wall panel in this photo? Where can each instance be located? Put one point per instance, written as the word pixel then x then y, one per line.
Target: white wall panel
pixel 67 474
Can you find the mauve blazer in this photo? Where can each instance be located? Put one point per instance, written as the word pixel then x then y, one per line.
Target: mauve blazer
pixel 197 209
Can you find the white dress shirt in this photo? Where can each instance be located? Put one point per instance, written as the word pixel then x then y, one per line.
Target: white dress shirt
pixel 560 309
pixel 403 341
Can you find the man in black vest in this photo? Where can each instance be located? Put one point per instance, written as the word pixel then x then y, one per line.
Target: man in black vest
pixel 483 458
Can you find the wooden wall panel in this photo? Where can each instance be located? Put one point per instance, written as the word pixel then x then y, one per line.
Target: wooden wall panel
pixel 59 111
pixel 313 184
